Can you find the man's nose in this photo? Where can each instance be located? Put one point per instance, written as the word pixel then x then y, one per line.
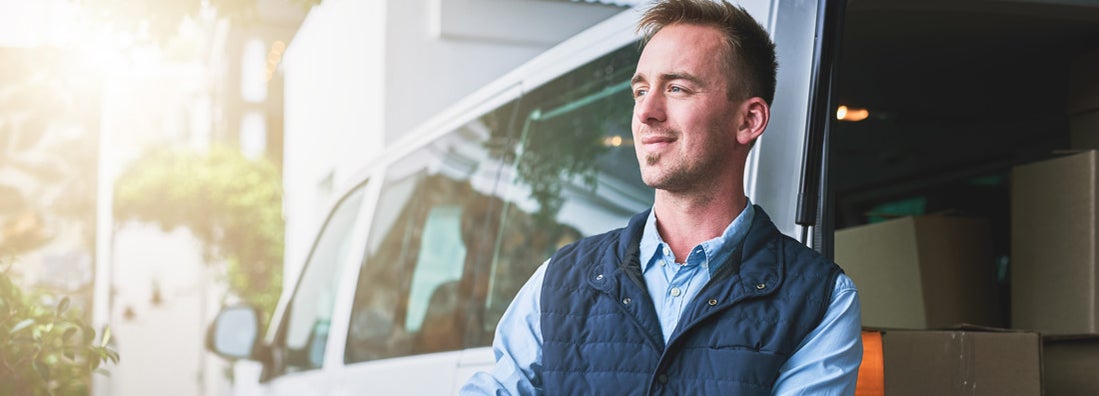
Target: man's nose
pixel 649 109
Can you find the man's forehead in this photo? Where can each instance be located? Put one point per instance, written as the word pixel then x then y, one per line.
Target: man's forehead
pixel 682 51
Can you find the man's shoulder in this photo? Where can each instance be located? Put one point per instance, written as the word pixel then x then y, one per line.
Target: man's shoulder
pixel 803 259
pixel 591 243
pixel 614 239
pixel 796 254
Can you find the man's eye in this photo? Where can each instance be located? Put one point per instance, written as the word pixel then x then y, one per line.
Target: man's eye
pixel 639 92
pixel 675 89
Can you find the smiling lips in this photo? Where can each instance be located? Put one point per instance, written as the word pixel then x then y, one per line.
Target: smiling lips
pixel 657 141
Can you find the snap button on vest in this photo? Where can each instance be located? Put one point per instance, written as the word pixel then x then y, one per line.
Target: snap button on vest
pixel 663 379
pixel 761 286
pixel 713 302
pixel 599 277
pixel 627 301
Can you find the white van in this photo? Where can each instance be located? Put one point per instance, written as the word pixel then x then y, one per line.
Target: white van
pixel 416 263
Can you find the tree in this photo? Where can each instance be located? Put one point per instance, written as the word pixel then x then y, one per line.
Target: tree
pixel 46 348
pixel 232 204
pixel 47 171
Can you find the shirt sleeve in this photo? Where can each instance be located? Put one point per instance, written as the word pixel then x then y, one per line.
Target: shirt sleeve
pixel 827 361
pixel 517 346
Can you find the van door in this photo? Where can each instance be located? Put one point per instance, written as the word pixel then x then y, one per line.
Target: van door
pixel 783 159
pixel 300 349
pixel 435 221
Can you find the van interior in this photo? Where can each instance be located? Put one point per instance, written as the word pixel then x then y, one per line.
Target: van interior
pixel 956 94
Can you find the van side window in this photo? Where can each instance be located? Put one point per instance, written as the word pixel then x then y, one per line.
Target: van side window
pixel 574 173
pixel 433 224
pixel 310 311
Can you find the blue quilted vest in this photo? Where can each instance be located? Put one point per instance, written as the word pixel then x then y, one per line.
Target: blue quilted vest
pixel 601 334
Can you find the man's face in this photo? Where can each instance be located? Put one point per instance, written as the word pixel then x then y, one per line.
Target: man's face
pixel 684 125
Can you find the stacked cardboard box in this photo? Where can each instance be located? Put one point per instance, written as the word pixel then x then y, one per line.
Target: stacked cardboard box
pixel 1055 266
pixel 1054 229
pixel 923 272
pixel 1070 365
pixel 956 362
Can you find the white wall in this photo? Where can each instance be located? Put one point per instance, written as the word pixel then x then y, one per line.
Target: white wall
pixel 361 74
pixel 334 111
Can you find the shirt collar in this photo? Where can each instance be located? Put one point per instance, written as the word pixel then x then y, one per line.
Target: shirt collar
pixel 717 250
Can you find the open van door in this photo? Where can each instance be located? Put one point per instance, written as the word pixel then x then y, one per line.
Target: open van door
pixel 785 169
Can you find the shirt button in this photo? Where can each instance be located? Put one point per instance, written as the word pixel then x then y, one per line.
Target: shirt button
pixel 675 292
pixel 667 251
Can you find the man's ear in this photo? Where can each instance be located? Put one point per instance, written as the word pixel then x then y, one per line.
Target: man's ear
pixel 755 114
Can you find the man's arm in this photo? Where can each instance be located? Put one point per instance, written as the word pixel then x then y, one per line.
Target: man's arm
pixel 827 361
pixel 517 346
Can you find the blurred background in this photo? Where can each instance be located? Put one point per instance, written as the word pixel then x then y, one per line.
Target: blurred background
pixel 162 158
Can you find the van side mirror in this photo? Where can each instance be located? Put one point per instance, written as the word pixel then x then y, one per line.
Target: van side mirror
pixel 234 333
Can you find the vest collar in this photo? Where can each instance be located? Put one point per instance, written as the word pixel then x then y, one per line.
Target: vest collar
pixel 755 270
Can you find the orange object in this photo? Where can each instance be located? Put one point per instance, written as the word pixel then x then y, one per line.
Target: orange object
pixel 871 380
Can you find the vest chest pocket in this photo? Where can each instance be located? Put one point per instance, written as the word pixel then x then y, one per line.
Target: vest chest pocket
pixel 735 366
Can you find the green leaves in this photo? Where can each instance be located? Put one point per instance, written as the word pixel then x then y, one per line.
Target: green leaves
pixel 21 325
pixel 106 337
pixel 232 204
pixel 62 306
pixel 46 348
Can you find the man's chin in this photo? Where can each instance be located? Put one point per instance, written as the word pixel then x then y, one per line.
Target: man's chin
pixel 652 159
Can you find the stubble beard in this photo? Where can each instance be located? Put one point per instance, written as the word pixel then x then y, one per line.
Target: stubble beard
pixel 667 178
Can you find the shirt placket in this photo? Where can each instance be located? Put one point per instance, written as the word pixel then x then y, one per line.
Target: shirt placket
pixel 681 278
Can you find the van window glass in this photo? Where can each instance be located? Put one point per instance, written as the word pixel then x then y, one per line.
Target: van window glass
pixel 433 225
pixel 572 173
pixel 310 311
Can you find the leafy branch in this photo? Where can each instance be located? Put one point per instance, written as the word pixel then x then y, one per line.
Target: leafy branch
pixel 47 348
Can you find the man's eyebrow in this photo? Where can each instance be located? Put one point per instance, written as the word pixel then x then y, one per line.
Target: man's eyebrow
pixel 638 78
pixel 681 76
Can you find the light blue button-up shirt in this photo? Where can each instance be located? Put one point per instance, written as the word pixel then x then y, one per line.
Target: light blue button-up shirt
pixel 825 363
pixel 673 283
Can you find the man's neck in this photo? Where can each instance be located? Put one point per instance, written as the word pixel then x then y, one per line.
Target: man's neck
pixel 684 222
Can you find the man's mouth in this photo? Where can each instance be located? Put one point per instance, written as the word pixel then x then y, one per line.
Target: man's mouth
pixel 657 141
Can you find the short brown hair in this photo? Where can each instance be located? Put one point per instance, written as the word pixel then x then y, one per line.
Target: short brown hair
pixel 751 52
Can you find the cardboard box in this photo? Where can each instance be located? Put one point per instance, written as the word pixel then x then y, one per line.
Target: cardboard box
pixel 959 362
pixel 922 272
pixel 1054 231
pixel 1070 365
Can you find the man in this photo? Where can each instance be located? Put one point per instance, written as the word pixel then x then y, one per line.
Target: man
pixel 702 294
